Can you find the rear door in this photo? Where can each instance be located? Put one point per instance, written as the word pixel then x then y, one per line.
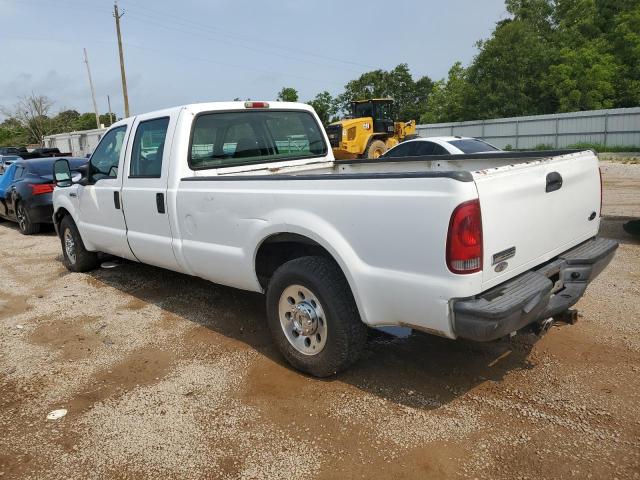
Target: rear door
pixel 534 211
pixel 144 193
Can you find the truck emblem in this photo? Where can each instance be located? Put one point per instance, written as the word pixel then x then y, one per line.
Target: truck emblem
pixel 501 267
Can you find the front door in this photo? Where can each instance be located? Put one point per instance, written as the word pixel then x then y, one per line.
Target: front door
pixel 101 221
pixel 144 193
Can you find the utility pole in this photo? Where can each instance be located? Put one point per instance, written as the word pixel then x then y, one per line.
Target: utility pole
pixel 110 115
pixel 93 92
pixel 125 95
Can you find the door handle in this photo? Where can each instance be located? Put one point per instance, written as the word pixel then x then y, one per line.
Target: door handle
pixel 160 202
pixel 554 182
pixel 116 200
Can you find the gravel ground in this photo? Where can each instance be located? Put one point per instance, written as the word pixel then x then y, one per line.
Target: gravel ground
pixel 167 375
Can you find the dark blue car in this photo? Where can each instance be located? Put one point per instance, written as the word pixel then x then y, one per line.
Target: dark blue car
pixel 25 192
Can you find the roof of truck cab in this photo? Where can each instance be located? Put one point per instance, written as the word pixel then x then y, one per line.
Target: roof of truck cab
pixel 196 108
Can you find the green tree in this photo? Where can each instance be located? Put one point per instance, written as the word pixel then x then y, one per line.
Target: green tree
pixel 86 121
pixel 410 96
pixel 626 47
pixel 325 106
pixel 584 79
pixel 65 121
pixel 32 113
pixel 288 94
pixel 506 76
pixel 448 101
pixel 12 133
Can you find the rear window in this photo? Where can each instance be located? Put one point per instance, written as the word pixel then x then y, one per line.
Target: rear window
pixel 240 138
pixel 473 145
pixel 45 169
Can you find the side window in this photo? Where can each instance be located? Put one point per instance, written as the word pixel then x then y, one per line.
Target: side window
pixel 105 158
pixel 439 150
pixel 148 148
pixel 20 171
pixel 402 150
pixel 425 148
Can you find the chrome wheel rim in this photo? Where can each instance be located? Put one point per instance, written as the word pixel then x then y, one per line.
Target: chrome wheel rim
pixel 22 218
pixel 302 320
pixel 69 246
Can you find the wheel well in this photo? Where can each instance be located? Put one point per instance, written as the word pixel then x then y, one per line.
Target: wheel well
pixel 59 215
pixel 278 249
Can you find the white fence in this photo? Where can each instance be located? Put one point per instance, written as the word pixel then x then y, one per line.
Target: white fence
pixel 617 127
pixel 80 144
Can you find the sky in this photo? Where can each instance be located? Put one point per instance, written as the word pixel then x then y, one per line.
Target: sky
pixel 186 51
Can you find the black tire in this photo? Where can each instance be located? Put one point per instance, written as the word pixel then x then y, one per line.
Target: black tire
pixel 376 148
pixel 346 333
pixel 25 225
pixel 83 260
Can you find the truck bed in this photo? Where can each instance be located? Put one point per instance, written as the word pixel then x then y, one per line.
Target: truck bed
pixel 439 165
pixel 365 207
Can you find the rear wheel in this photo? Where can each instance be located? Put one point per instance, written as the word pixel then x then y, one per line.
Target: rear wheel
pixel 376 149
pixel 76 257
pixel 24 224
pixel 313 317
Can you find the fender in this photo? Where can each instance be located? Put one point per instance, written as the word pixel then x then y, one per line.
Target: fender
pixel 320 231
pixel 62 201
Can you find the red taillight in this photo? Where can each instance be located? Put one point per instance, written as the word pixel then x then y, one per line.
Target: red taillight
pixel 41 188
pixel 256 104
pixel 464 240
pixel 600 170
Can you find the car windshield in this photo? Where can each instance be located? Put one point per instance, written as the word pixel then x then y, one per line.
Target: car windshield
pixel 473 145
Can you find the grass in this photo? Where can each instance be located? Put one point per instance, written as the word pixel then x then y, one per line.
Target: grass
pixel 598 147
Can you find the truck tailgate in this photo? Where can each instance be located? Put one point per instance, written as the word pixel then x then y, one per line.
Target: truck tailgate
pixel 533 211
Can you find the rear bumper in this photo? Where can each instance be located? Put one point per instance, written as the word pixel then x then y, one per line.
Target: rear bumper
pixel 533 296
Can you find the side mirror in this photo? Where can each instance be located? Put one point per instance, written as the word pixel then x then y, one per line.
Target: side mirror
pixel 62 173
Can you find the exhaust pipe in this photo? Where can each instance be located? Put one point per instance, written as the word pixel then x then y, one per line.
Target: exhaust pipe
pixel 569 317
pixel 543 327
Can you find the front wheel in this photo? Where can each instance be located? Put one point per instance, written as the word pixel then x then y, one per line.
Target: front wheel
pixel 76 257
pixel 24 224
pixel 313 317
pixel 376 149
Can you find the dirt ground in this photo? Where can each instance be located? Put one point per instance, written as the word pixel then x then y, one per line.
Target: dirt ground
pixel 166 376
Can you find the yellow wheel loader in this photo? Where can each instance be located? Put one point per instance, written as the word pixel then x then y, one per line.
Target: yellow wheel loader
pixel 370 130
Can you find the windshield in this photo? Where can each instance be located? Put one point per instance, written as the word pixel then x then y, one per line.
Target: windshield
pixel 245 137
pixel 361 110
pixel 473 145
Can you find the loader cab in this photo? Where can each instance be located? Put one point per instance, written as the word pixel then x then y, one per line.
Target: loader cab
pixel 381 110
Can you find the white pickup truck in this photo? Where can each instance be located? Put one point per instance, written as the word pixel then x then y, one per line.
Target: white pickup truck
pixel 248 194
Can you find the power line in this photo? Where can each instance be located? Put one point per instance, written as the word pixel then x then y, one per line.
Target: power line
pixel 182 55
pixel 191 31
pixel 164 15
